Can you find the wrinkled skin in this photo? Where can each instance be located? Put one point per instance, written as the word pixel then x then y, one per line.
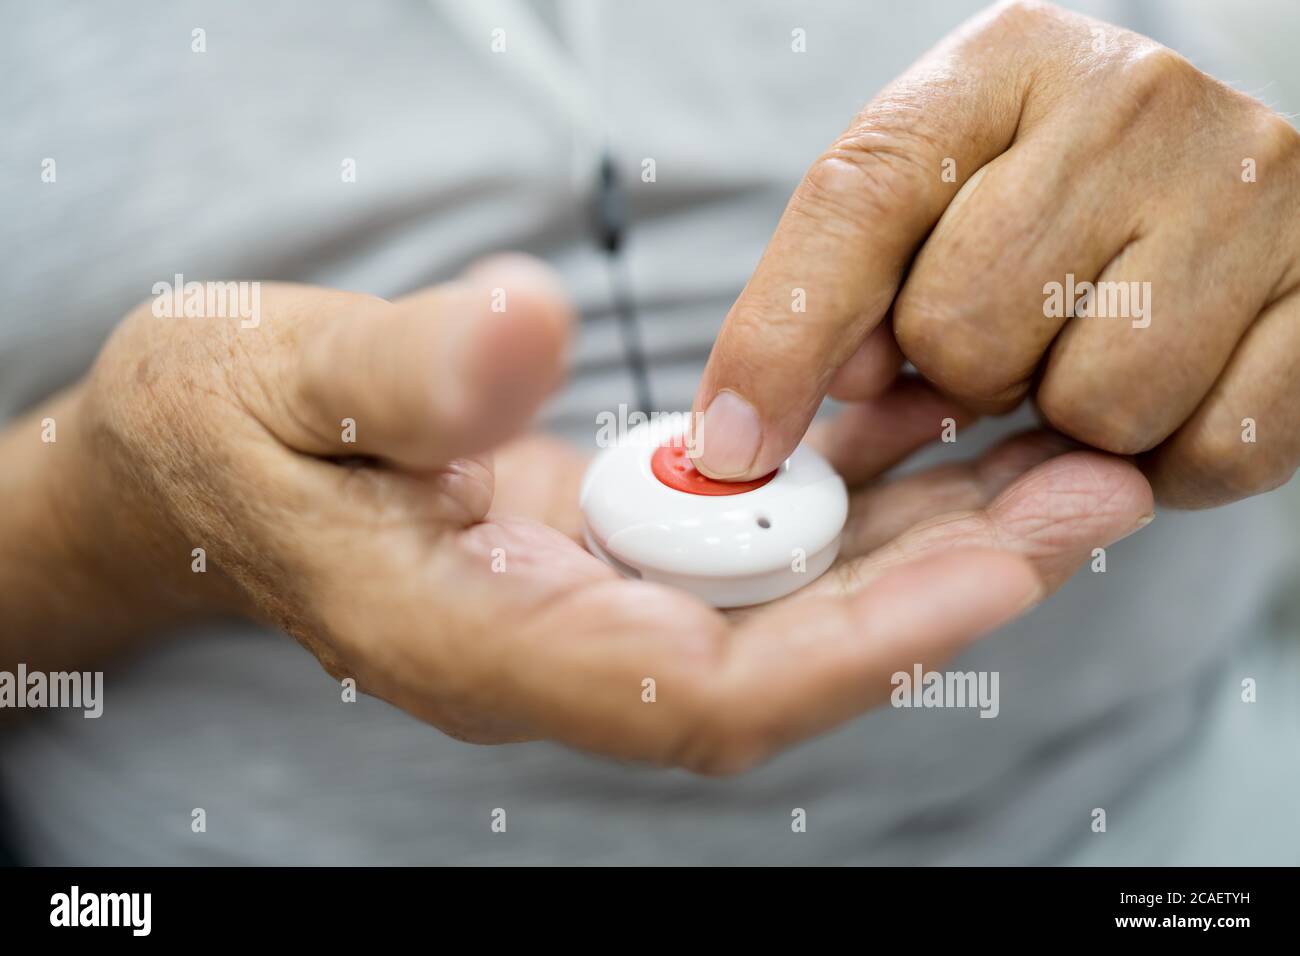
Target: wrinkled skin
pixel 379 554
pixel 1072 148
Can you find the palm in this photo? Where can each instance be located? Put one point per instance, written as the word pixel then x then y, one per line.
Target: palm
pixel 585 640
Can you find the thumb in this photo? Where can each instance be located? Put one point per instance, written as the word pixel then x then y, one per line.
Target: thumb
pixel 447 372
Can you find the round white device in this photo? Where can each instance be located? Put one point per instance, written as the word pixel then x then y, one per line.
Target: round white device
pixel 650 514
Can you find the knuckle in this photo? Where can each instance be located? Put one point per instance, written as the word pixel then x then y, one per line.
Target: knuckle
pixel 1220 460
pixel 945 339
pixel 1274 141
pixel 1117 427
pixel 873 172
pixel 311 361
pixel 1152 74
pixel 1158 66
pixel 1020 13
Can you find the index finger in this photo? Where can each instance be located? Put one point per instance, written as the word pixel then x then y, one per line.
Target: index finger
pixel 843 244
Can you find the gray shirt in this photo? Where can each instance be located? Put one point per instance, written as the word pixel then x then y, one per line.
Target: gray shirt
pixel 227 164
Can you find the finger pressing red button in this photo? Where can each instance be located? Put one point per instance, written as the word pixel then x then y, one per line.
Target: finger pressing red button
pixel 674 468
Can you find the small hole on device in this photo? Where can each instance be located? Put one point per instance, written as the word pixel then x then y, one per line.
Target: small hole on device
pixel 763 522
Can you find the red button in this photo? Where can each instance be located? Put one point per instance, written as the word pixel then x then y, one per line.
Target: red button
pixel 674 468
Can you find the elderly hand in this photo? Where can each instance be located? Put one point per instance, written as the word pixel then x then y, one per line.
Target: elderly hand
pixel 1047 206
pixel 330 460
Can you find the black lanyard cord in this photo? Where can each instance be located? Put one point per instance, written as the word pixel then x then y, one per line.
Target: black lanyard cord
pixel 610 224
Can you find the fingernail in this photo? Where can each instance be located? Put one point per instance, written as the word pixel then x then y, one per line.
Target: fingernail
pixel 1033 597
pixel 730 434
pixel 1141 523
